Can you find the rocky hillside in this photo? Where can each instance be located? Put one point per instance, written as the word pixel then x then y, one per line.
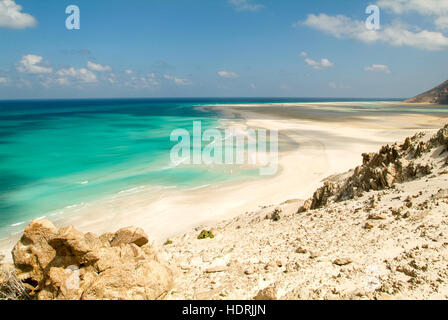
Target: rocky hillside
pixel 376 232
pixel 392 164
pixel 438 95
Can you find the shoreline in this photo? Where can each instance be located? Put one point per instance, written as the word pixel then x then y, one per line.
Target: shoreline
pixel 323 150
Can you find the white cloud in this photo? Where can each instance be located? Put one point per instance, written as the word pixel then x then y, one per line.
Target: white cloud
pixel 253 86
pixel 442 23
pixel 378 68
pixel 82 75
pixel 128 71
pixel 246 5
pixel 98 67
pixel 396 34
pixel 4 80
pixel 318 65
pixel 178 81
pixel 11 16
pixel 436 8
pixel 62 81
pixel 143 82
pixel 111 78
pixel 303 54
pixel 32 64
pixel 228 74
pixel 335 85
pixel 423 7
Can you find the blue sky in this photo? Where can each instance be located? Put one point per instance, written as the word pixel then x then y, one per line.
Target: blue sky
pixel 221 48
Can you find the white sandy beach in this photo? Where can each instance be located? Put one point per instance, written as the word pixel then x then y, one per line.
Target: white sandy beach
pixel 325 148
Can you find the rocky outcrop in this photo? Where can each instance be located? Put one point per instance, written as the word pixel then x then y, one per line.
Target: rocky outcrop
pixel 68 264
pixel 438 95
pixel 382 170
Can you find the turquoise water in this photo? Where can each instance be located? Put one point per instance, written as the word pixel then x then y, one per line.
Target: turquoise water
pixel 57 154
pixel 60 153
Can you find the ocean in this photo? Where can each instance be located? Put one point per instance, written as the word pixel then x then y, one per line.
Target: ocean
pixel 59 154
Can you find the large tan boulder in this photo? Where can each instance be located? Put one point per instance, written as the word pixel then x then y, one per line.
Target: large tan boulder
pixel 68 264
pixel 131 281
pixel 32 254
pixel 130 235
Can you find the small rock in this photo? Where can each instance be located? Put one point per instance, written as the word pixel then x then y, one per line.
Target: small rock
pixel 342 261
pixel 292 267
pixel 301 250
pixel 269 293
pixel 369 226
pixel 271 265
pixel 216 269
pixel 374 216
pixel 250 270
pixel 313 254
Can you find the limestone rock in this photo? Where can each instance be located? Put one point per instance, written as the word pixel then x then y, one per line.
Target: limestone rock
pixel 216 269
pixel 129 235
pixel 32 254
pixel 68 264
pixel 382 170
pixel 148 280
pixel 269 293
pixel 342 261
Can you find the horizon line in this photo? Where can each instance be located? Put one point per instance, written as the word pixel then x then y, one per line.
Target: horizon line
pixel 166 98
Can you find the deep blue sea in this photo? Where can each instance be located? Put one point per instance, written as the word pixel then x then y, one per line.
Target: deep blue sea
pixel 55 154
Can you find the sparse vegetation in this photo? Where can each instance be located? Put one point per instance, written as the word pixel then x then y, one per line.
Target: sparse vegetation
pixel 205 234
pixel 275 215
pixel 12 288
pixel 168 242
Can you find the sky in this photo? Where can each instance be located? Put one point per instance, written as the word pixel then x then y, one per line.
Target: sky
pixel 221 48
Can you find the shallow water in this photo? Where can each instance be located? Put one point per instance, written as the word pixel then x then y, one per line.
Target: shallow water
pixel 57 155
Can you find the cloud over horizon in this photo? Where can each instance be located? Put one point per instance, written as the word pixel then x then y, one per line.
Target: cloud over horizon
pixel 228 74
pixel 378 68
pixel 82 75
pixel 178 81
pixel 98 67
pixel 318 65
pixel 31 63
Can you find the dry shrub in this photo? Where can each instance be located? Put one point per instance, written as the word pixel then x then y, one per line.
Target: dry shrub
pixel 12 288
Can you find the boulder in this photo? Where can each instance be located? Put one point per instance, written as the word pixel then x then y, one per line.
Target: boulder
pixel 70 265
pixel 32 254
pixel 129 235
